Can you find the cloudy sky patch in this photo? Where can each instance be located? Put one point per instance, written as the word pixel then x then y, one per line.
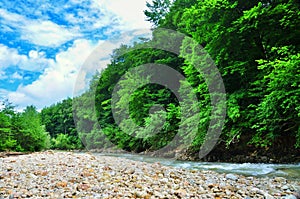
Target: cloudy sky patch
pixel 43 44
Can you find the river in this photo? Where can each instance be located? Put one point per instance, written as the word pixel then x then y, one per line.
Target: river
pixel 289 171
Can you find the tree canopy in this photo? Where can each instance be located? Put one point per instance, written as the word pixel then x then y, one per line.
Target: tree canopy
pixel 255 46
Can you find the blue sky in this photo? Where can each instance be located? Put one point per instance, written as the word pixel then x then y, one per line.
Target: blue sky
pixel 43 44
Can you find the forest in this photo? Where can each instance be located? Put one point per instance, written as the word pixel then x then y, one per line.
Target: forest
pixel 255 47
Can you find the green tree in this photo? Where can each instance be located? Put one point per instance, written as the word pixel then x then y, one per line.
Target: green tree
pixel 22 131
pixel 58 119
pixel 279 110
pixel 7 139
pixel 157 10
pixel 30 133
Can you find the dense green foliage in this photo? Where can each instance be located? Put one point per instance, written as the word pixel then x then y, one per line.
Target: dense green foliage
pixel 59 122
pixel 22 131
pixel 255 45
pixel 31 130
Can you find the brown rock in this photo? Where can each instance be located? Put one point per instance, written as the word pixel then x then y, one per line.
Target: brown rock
pixel 61 184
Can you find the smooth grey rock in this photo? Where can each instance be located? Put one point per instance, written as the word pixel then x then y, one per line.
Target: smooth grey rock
pixel 285 187
pixel 268 196
pixel 230 176
pixel 290 197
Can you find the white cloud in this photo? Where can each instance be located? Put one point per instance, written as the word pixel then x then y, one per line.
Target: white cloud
pixel 11 17
pixel 35 61
pixel 92 19
pixel 116 15
pixel 47 33
pixel 3 94
pixel 57 81
pixel 130 12
pixel 62 73
pixel 9 56
pixel 3 75
pixel 38 32
pixel 33 54
pixel 71 72
pixel 16 75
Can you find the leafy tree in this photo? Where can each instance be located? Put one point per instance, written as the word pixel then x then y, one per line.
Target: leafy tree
pixel 279 109
pixel 58 119
pixel 157 10
pixel 30 133
pixel 22 131
pixel 7 140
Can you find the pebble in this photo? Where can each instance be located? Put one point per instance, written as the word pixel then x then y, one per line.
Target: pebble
pixel 83 175
pixel 230 176
pixel 290 197
pixel 280 180
pixel 285 187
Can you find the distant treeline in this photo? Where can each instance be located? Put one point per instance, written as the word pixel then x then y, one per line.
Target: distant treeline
pixel 22 131
pixel 31 130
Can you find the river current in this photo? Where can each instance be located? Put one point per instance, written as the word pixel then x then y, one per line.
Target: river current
pixel 289 171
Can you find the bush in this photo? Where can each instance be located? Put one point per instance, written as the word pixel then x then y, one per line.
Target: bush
pixel 65 142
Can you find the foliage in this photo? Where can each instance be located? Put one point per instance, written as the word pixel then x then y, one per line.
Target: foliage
pixel 58 119
pixel 65 142
pixel 22 131
pixel 157 10
pixel 279 110
pixel 255 46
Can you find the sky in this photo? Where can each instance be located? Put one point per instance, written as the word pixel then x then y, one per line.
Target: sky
pixel 44 44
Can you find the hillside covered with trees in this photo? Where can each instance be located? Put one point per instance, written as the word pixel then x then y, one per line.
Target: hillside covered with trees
pixel 255 46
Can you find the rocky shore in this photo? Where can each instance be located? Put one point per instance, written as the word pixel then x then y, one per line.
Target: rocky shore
pixel 82 175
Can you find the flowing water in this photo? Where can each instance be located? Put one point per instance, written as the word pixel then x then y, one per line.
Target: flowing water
pixel 289 171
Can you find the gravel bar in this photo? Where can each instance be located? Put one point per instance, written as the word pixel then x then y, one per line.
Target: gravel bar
pixel 53 174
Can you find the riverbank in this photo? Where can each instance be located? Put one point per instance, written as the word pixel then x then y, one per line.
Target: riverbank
pixel 84 175
pixel 7 154
pixel 235 154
